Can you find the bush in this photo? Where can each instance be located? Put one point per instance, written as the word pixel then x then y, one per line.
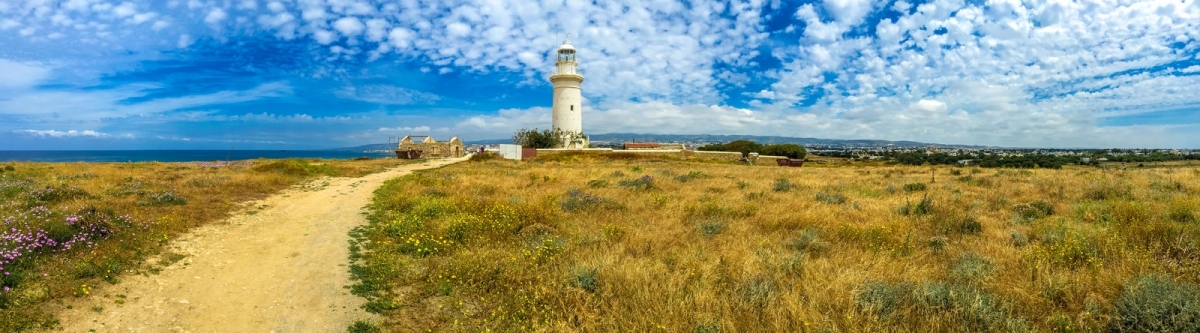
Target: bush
pixel 970 226
pixel 711 227
pixel 585 278
pixel 163 198
pixel 789 150
pixel 1033 210
pixel 545 138
pixel 808 241
pixel 923 207
pixel 1157 304
pixel 578 200
pixel 644 182
pixel 832 199
pixel 938 243
pixel 914 187
pixel 484 156
pixel 971 267
pixel 881 298
pixel 692 175
pixel 362 327
pixel 783 185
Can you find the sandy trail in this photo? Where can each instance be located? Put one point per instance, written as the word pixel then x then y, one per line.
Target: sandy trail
pixel 281 268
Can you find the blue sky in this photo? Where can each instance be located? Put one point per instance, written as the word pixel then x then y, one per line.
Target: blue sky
pixel 296 74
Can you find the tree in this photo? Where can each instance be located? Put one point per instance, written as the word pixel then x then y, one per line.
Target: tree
pixel 790 150
pixel 556 138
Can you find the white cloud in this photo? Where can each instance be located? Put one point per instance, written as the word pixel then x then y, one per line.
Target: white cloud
pixel 71 134
pixel 458 29
pixel 21 75
pixel 216 16
pixel 124 10
pixel 7 24
pixel 385 94
pixel 324 36
pixel 349 26
pixel 929 106
pixel 184 41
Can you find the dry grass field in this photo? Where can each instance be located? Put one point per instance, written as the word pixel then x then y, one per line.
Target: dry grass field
pixel 70 226
pixel 620 243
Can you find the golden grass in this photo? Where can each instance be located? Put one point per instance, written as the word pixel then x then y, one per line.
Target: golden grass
pixel 576 243
pixel 125 213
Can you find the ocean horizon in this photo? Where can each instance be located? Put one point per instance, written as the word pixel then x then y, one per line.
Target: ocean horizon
pixel 174 155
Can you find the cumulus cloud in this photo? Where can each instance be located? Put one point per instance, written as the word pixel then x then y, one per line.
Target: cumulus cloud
pixel 216 16
pixel 349 26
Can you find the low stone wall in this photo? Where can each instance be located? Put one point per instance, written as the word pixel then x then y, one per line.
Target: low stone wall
pixel 769 159
pixel 552 151
pixel 716 155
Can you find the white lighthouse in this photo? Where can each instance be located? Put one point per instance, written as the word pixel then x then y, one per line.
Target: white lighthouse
pixel 568 102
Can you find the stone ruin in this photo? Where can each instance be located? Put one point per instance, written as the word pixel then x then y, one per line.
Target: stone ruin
pixel 429 148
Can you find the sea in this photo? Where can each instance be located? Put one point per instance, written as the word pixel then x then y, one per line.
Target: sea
pixel 176 155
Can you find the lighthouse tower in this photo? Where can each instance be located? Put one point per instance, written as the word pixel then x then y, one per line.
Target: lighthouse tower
pixel 568 103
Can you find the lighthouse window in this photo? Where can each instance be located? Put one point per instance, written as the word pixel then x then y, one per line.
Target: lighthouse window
pixel 572 108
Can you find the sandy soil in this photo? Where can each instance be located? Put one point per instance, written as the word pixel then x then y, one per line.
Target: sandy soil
pixel 278 266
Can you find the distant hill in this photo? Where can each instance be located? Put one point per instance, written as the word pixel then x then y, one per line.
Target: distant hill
pixel 707 138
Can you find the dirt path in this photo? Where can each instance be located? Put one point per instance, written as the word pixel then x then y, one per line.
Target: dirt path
pixel 281 268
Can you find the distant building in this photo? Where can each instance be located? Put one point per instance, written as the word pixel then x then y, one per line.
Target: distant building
pixel 429 148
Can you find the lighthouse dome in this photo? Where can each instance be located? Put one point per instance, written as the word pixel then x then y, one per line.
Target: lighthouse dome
pixel 566 46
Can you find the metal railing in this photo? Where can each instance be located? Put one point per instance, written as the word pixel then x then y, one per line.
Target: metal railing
pixel 556 71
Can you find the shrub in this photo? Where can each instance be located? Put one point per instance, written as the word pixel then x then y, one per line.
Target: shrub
pixel 360 326
pixel 971 267
pixel 832 199
pixel 9 168
pixel 783 185
pixel 955 172
pixel 1019 239
pixel 484 156
pixel 880 298
pixel 1181 213
pixel 578 200
pixel 585 278
pixel 938 243
pixel 691 175
pixel 923 207
pixel 59 193
pixel 1157 304
pixel 809 241
pixel 555 138
pixel 969 226
pixel 597 183
pixel 1105 190
pixel 914 187
pixel 711 227
pixel 163 198
pixel 644 182
pixel 1033 210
